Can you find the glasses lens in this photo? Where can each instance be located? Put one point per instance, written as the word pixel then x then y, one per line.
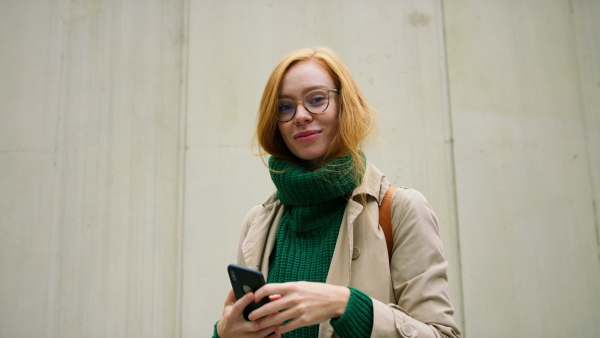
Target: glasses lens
pixel 285 110
pixel 317 101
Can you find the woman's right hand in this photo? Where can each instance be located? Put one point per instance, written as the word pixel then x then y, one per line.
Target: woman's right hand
pixel 233 324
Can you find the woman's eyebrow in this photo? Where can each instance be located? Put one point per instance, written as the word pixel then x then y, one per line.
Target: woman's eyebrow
pixel 304 91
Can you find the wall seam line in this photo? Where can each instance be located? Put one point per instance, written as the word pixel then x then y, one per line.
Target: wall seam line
pixel 584 118
pixel 451 156
pixel 182 158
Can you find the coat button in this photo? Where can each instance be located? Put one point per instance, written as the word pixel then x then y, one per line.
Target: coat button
pixel 406 330
pixel 355 253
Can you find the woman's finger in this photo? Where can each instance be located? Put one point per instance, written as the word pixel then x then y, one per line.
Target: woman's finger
pixel 274 297
pixel 240 305
pixel 270 332
pixel 230 298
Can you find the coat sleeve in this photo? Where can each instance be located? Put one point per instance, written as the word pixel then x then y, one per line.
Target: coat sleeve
pixel 418 270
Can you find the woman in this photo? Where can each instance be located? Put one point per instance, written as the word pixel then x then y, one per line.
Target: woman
pixel 317 239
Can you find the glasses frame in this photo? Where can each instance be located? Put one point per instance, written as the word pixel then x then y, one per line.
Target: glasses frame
pixel 328 90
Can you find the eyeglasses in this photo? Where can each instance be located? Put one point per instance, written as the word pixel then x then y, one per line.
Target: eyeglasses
pixel 315 102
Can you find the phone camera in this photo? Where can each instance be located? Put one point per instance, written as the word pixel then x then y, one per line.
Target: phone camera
pixel 233 277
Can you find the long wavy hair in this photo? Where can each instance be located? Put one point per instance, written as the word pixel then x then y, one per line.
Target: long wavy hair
pixel 356 117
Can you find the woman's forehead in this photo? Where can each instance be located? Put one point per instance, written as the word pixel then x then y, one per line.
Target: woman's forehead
pixel 304 76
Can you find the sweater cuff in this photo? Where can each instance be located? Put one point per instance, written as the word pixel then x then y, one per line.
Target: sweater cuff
pixel 357 320
pixel 215 333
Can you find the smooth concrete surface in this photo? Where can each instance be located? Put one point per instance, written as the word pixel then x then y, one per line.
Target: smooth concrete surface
pixel 127 167
pixel 89 155
pixel 528 228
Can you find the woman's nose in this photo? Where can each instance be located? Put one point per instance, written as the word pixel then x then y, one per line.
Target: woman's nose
pixel 302 114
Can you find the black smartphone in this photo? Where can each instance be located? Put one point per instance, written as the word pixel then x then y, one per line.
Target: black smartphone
pixel 244 280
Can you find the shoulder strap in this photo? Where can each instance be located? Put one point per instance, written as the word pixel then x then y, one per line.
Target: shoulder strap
pixel 385 219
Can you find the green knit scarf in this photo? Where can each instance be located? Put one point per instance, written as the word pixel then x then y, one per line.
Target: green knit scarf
pixel 314 207
pixel 311 193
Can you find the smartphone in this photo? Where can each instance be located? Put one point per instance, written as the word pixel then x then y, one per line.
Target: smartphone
pixel 244 280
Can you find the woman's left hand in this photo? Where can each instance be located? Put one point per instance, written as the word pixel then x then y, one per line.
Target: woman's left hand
pixel 302 303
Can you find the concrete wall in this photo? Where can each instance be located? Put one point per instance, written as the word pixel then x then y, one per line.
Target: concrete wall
pixel 125 131
pixel 91 172
pixel 525 120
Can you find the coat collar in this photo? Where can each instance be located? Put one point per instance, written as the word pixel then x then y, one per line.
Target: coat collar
pixel 374 184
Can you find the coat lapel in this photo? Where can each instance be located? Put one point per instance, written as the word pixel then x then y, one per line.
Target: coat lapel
pixel 258 243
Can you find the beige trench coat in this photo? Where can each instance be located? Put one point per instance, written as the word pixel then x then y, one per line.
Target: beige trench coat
pixel 410 297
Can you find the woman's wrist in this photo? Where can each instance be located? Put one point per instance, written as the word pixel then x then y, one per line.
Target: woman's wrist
pixel 343 298
pixel 357 321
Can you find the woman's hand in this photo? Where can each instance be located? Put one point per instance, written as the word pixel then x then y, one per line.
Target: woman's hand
pixel 303 303
pixel 233 324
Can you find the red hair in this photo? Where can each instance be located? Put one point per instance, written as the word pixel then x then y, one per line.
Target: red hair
pixel 356 117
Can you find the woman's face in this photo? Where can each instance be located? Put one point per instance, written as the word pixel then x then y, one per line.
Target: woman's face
pixel 307 135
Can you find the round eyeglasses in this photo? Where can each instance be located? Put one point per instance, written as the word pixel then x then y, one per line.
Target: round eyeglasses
pixel 315 102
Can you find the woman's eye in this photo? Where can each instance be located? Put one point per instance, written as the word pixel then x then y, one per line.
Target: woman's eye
pixel 285 107
pixel 318 99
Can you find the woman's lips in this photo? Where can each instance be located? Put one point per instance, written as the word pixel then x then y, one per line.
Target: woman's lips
pixel 306 136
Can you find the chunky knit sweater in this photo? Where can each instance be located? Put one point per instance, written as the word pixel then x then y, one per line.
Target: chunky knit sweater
pixel 314 206
pixel 314 203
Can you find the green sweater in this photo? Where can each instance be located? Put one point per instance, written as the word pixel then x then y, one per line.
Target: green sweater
pixel 314 203
pixel 314 207
pixel 306 256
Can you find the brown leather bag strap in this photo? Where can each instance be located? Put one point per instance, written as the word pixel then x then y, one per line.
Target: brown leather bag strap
pixel 385 220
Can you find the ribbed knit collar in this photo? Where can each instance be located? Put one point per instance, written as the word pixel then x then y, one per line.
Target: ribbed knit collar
pixel 299 187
